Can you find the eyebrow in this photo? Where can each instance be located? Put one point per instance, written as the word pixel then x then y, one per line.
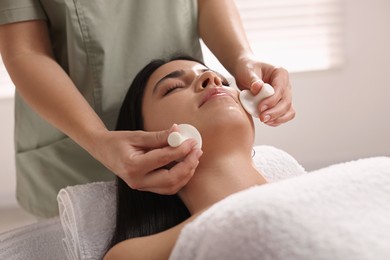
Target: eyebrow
pixel 174 74
pixel 180 73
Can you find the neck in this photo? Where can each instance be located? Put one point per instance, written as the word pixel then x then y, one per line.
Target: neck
pixel 218 177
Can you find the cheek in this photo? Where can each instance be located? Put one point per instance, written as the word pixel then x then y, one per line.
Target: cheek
pixel 162 116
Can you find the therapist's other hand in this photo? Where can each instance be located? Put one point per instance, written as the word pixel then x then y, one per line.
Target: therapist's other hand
pixel 139 158
pixel 251 74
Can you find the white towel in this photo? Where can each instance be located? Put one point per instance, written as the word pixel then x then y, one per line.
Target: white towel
pixel 276 164
pixel 340 212
pixel 88 214
pixel 87 211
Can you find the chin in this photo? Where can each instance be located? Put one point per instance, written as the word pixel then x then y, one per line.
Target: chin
pixel 230 123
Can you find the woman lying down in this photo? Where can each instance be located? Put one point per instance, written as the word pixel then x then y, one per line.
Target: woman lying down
pixel 182 91
pixel 339 212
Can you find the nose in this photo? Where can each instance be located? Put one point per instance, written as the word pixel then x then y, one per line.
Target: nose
pixel 209 79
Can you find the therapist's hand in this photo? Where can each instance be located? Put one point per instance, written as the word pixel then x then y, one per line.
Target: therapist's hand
pixel 251 74
pixel 139 158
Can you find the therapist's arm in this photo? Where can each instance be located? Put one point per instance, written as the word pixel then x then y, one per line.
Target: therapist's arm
pixel 221 29
pixel 26 51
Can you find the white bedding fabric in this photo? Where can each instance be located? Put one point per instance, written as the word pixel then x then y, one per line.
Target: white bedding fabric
pixel 340 212
pixel 38 241
pixel 87 212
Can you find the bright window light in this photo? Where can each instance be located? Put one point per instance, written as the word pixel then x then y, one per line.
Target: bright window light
pixel 300 35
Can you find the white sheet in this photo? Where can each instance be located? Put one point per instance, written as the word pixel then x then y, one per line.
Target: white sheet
pixel 41 240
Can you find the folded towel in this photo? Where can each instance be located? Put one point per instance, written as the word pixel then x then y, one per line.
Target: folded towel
pixel 87 211
pixel 87 215
pixel 339 212
pixel 276 164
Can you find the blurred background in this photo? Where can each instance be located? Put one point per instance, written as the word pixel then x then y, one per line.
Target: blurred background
pixel 338 54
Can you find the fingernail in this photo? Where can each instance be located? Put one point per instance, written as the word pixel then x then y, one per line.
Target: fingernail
pixel 263 108
pixel 266 118
pixel 193 142
pixel 173 127
pixel 199 153
pixel 259 81
pixel 257 85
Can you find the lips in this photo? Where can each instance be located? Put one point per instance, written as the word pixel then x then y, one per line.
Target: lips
pixel 213 92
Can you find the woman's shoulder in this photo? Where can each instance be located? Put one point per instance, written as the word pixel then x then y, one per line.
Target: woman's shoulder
pixel 156 246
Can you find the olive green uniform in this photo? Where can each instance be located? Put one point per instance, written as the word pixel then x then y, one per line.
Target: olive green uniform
pixel 101 44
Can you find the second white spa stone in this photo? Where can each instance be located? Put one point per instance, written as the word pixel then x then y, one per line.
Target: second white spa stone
pixel 185 132
pixel 250 102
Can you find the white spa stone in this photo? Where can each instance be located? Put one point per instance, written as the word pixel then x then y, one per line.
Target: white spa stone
pixel 249 102
pixel 185 132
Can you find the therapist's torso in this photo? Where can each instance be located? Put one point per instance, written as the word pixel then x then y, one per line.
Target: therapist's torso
pixel 101 45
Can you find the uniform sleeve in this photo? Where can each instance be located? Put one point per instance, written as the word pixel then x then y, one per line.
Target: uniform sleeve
pixel 12 11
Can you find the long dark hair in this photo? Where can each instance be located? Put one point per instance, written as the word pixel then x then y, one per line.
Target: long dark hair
pixel 141 213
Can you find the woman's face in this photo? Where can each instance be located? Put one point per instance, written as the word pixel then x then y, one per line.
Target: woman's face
pixel 185 91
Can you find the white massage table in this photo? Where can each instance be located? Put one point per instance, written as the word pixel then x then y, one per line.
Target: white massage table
pixel 85 230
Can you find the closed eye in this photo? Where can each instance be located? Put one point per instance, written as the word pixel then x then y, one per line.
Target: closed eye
pixel 226 83
pixel 172 88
